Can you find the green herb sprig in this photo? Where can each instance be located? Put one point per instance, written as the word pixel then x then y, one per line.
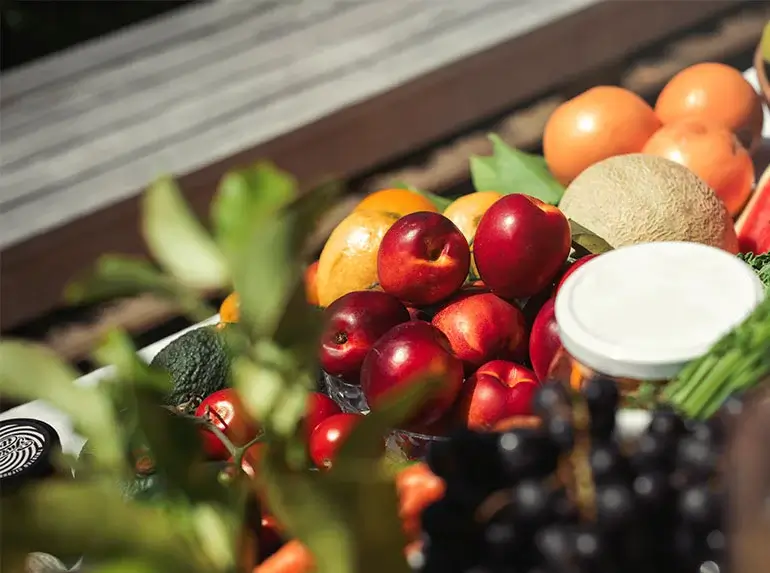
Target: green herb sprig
pixel 738 362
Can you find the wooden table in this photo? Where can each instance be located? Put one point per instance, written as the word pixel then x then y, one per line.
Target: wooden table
pixel 333 87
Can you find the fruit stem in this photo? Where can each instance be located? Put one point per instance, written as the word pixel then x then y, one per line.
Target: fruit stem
pixel 340 338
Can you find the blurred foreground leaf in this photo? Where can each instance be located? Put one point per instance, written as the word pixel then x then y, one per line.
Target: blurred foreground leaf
pixel 349 521
pixel 30 372
pixel 178 241
pixel 269 267
pixel 366 441
pixel 69 519
pixel 244 199
pixel 116 276
pixel 509 170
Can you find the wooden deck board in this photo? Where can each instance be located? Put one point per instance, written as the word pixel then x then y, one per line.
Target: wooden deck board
pixel 484 75
pixel 74 148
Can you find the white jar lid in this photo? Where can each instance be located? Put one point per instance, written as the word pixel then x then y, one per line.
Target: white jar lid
pixel 644 311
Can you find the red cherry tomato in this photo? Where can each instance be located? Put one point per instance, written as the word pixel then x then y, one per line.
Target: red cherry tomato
pixel 572 268
pixel 329 435
pixel 270 536
pixel 225 411
pixel 319 407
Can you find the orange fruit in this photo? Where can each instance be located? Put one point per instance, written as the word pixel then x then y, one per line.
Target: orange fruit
pixel 348 261
pixel 229 309
pixel 311 287
pixel 602 122
pixel 466 212
pixel 714 92
pixel 398 201
pixel 713 153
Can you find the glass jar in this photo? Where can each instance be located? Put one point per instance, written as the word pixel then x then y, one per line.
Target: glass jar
pixel 642 312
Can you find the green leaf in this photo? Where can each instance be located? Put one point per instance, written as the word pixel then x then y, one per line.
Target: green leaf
pixel 484 173
pixel 116 276
pixel 74 518
pixel 520 172
pixel 438 201
pixel 276 400
pixel 178 241
pixel 586 242
pixel 246 197
pixel 118 350
pixel 366 441
pixel 350 540
pixel 30 372
pixel 270 266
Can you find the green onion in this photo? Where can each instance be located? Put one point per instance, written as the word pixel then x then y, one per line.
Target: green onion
pixel 737 362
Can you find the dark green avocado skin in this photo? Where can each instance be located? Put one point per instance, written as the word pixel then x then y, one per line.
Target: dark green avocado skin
pixel 198 363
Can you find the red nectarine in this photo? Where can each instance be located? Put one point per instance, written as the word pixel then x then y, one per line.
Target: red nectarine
pixel 520 245
pixel 410 353
pixel 497 391
pixel 354 322
pixel 423 258
pixel 482 327
pixel 544 340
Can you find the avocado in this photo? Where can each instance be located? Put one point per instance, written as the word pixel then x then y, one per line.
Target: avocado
pixel 199 365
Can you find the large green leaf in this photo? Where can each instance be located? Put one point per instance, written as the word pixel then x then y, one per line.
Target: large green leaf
pixel 178 241
pixel 484 173
pixel 75 518
pixel 270 266
pixel 361 529
pixel 245 198
pixel 116 276
pixel 276 398
pixel 30 372
pixel 510 170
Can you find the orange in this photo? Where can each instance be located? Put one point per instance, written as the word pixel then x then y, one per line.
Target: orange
pixel 713 153
pixel 311 288
pixel 602 122
pixel 714 92
pixel 229 310
pixel 348 261
pixel 466 211
pixel 398 201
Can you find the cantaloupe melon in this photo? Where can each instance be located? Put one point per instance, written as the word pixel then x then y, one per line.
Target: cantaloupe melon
pixel 640 198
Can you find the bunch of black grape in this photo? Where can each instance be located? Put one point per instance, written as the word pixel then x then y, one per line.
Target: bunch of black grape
pixel 570 497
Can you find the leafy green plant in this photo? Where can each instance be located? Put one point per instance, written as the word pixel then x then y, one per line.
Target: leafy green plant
pixel 259 245
pixel 509 170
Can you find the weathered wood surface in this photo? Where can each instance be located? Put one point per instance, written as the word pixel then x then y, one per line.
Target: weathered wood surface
pixel 330 99
pixel 87 130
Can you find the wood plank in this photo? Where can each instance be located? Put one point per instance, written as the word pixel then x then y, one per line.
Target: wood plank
pixel 358 137
pixel 42 188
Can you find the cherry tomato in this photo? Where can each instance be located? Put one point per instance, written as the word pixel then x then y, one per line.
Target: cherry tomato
pixel 329 435
pixel 319 407
pixel 225 410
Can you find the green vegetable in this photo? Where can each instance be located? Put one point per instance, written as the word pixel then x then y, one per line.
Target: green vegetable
pixel 509 170
pixel 760 264
pixel 738 362
pixel 199 364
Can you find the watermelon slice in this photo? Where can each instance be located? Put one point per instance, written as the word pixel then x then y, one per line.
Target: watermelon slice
pixel 753 225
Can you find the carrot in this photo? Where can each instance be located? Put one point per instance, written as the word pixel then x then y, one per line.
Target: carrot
pixel 293 557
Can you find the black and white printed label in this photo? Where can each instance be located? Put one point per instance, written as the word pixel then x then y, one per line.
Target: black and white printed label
pixel 22 442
